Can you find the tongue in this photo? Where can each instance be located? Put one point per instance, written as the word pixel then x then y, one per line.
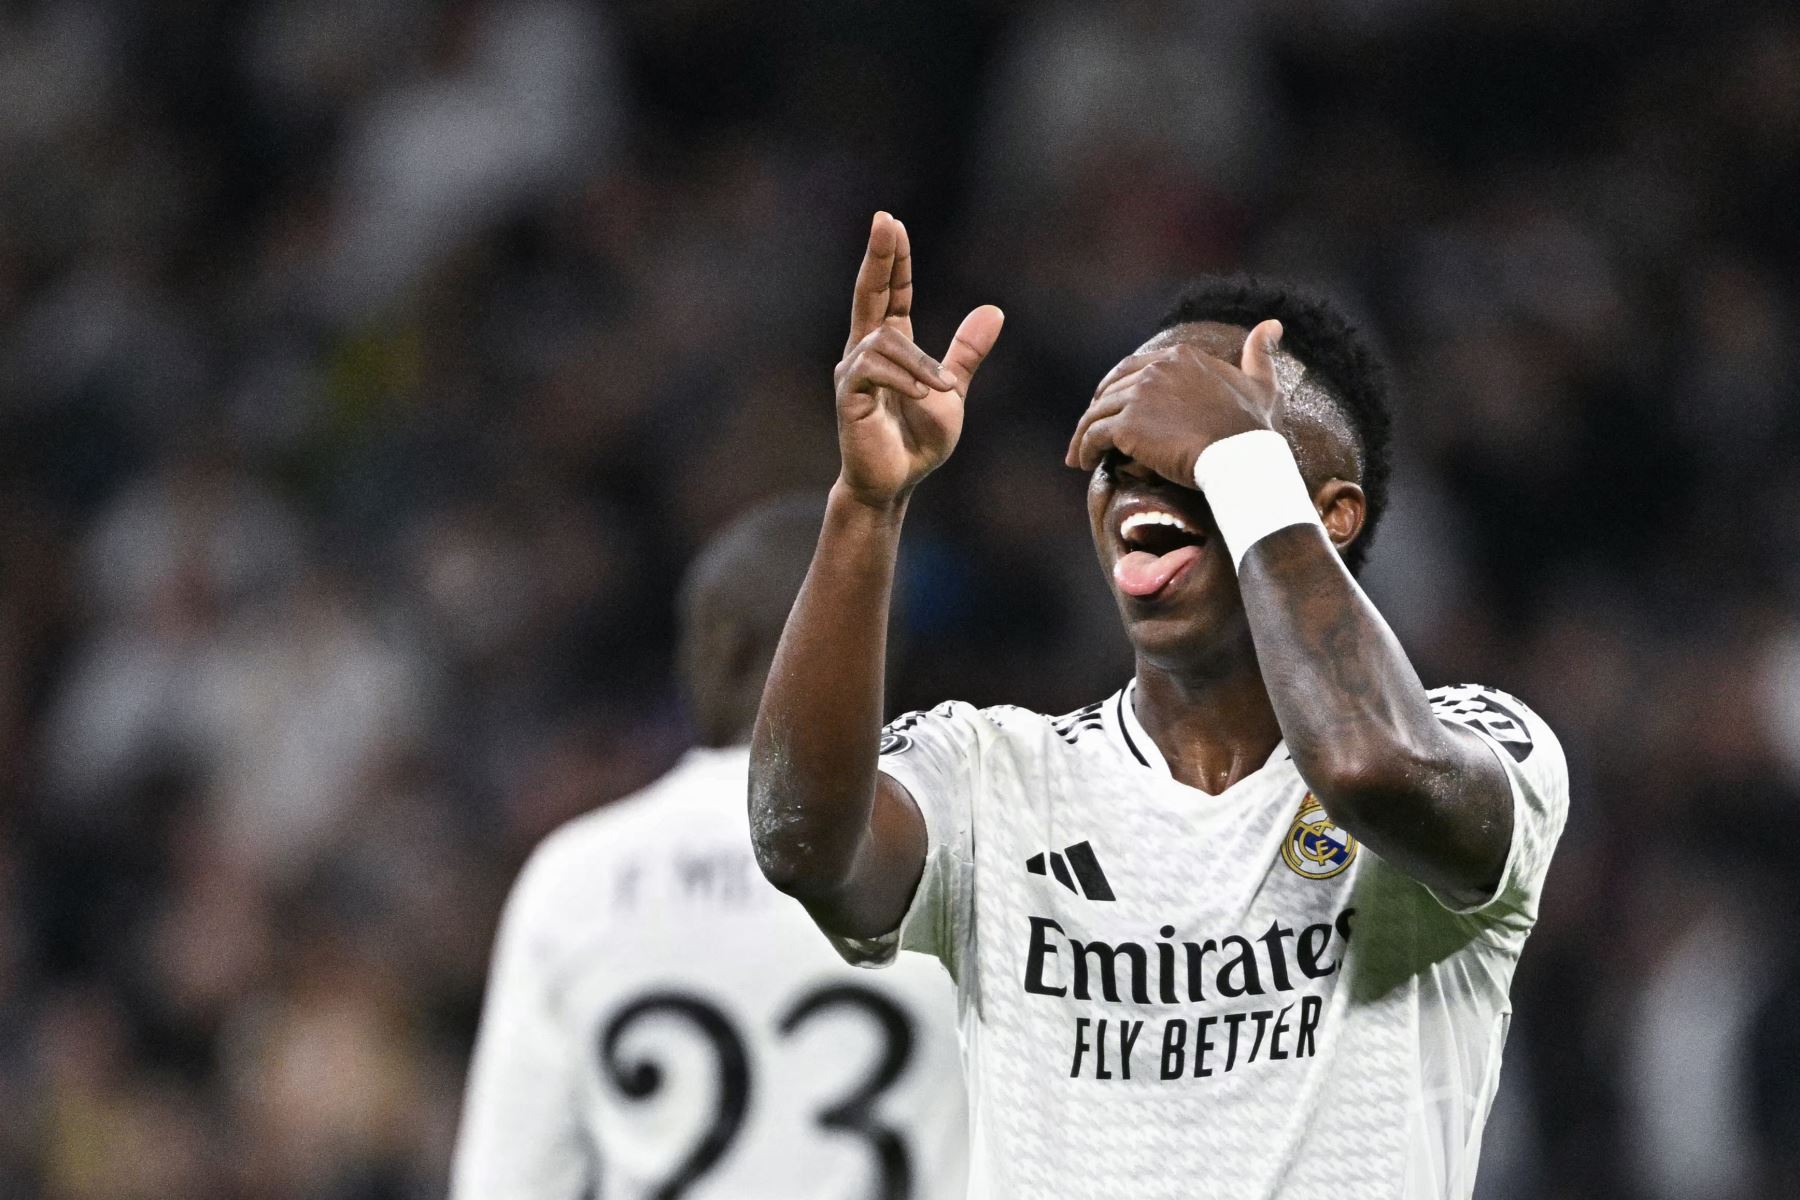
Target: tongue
pixel 1142 573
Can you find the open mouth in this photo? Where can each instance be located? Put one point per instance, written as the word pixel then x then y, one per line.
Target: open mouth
pixel 1159 546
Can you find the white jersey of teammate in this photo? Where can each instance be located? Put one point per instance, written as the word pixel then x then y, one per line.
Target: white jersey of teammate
pixel 1169 994
pixel 661 1022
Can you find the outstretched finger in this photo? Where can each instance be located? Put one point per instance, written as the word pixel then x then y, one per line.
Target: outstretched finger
pixel 1258 360
pixel 900 282
pixel 975 337
pixel 870 303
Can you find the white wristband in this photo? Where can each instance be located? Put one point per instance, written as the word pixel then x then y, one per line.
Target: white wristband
pixel 1254 488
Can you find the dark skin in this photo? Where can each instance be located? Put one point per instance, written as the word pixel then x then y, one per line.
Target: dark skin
pixel 1228 663
pixel 734 600
pixel 723 665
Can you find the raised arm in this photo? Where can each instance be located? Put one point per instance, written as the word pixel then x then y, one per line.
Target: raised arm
pixel 829 828
pixel 1427 796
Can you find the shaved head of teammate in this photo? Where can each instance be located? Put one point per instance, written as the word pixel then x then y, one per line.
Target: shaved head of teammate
pixel 734 601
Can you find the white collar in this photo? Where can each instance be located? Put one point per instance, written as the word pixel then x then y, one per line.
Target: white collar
pixel 1122 710
pixel 1135 740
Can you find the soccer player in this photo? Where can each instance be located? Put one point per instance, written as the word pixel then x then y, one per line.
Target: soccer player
pixel 662 1023
pixel 1245 928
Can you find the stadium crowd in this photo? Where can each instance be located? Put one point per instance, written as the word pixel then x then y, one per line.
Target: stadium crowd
pixel 369 372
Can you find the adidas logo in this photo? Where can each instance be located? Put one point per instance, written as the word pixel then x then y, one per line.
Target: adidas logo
pixel 1085 866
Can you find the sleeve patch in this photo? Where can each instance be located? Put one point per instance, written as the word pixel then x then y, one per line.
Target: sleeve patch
pixel 1482 709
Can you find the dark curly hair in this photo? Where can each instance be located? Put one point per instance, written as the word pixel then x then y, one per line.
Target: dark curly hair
pixel 1334 352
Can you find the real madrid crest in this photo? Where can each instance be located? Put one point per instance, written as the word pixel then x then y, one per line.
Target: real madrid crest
pixel 1315 847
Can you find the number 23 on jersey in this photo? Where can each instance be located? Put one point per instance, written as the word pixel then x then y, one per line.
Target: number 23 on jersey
pixel 639 1077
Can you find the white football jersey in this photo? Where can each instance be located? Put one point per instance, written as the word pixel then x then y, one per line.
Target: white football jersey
pixel 660 1022
pixel 1171 995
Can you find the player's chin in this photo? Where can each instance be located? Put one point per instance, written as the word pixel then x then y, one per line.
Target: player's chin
pixel 1169 637
pixel 1171 610
pixel 1174 611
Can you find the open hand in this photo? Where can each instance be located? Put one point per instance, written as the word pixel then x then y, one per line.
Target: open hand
pixel 899 410
pixel 1163 407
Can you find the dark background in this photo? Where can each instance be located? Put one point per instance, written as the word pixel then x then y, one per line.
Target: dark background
pixel 368 373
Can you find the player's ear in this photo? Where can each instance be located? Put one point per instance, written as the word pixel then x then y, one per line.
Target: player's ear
pixel 1343 508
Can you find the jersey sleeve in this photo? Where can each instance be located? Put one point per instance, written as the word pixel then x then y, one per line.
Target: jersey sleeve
pixel 936 757
pixel 520 1136
pixel 1538 776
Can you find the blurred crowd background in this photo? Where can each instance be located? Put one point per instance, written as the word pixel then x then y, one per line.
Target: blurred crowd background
pixel 368 373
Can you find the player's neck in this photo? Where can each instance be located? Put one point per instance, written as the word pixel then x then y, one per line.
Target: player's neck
pixel 1213 730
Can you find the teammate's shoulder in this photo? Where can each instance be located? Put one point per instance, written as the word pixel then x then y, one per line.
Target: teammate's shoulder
pixel 560 892
pixel 573 856
pixel 566 860
pixel 1503 717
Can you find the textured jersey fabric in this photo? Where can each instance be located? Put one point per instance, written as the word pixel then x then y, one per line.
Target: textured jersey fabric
pixel 1170 994
pixel 660 1021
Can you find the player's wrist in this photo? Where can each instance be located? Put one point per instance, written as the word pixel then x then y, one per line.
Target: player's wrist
pixel 864 504
pixel 1254 488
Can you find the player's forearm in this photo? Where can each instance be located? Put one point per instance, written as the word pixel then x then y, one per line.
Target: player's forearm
pixel 1356 717
pixel 813 754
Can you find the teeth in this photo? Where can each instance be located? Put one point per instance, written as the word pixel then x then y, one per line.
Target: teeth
pixel 1153 516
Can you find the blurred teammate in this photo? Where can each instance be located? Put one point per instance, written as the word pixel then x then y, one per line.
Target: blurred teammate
pixel 1245 928
pixel 660 1022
